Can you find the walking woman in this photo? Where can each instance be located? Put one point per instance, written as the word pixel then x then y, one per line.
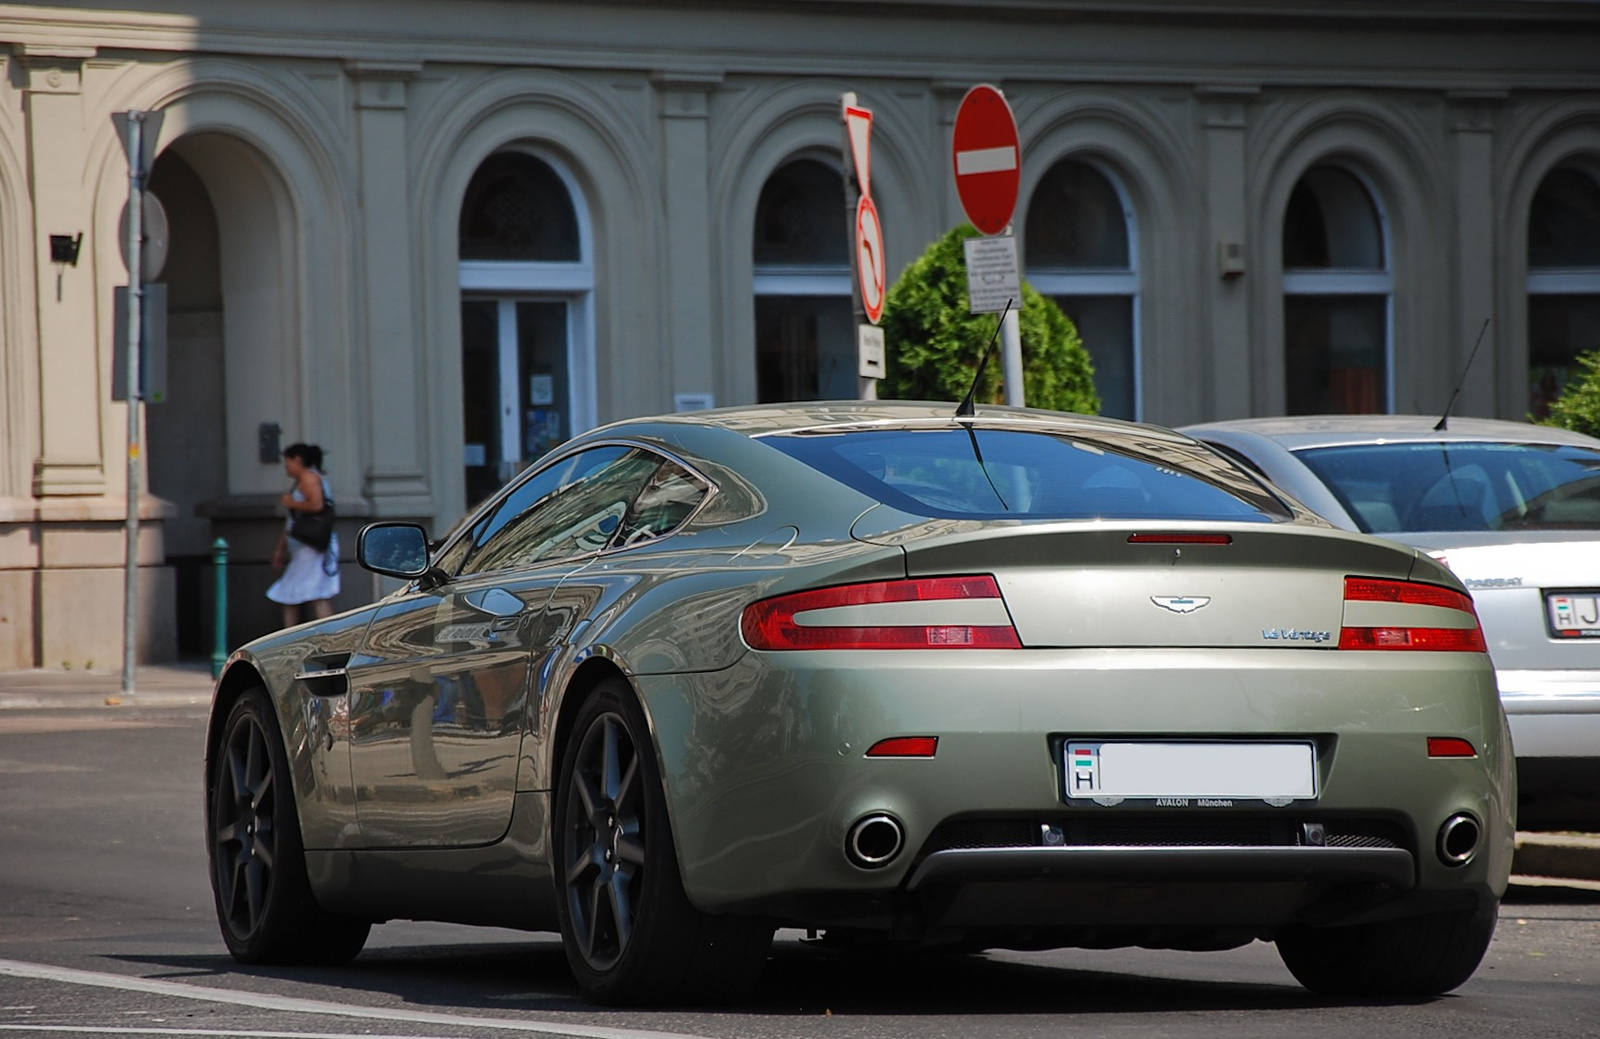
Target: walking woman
pixel 312 576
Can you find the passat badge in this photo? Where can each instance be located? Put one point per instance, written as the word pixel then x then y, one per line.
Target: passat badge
pixel 1180 603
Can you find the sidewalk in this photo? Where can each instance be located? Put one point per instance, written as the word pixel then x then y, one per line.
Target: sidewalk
pixel 168 685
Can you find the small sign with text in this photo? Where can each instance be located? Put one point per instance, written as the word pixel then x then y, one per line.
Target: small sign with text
pixel 993 277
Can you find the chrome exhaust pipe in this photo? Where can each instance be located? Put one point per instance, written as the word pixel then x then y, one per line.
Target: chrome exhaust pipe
pixel 1458 839
pixel 874 840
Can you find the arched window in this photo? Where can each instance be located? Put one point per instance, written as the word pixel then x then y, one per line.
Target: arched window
pixel 1337 291
pixel 805 337
pixel 1563 280
pixel 1081 252
pixel 527 287
pixel 517 208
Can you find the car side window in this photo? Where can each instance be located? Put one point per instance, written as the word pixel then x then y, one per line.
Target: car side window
pixel 568 509
pixel 671 494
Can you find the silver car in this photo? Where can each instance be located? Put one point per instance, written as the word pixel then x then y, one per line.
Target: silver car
pixel 1514 510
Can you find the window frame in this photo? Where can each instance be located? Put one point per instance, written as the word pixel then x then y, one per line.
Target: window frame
pixel 1346 281
pixel 1117 282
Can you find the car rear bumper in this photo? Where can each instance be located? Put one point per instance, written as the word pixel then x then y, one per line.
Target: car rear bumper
pixel 766 775
pixel 1553 714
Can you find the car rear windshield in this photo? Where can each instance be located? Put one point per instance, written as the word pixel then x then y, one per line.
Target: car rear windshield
pixel 989 473
pixel 1462 486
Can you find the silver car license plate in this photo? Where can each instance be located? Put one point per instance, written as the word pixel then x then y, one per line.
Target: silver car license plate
pixel 1149 769
pixel 1573 614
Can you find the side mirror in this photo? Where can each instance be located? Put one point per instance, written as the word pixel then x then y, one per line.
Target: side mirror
pixel 393 549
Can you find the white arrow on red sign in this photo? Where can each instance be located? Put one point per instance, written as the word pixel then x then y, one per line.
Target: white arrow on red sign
pixel 870 267
pixel 987 157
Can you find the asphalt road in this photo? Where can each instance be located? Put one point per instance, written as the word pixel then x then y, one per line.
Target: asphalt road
pixel 106 928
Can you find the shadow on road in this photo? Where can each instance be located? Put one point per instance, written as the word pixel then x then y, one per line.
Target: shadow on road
pixel 800 980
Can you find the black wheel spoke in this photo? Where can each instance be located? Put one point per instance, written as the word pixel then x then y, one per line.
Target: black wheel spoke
pixel 255 886
pixel 591 802
pixel 618 903
pixel 611 769
pixel 261 795
pixel 236 776
pixel 589 860
pixel 232 873
pixel 628 788
pixel 596 898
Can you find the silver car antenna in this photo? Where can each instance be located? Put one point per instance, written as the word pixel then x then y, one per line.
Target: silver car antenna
pixel 1444 420
pixel 969 404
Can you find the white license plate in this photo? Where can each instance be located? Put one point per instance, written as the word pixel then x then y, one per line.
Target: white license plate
pixel 1574 614
pixel 1268 771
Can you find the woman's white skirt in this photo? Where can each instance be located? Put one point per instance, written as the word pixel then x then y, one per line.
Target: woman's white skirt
pixel 310 575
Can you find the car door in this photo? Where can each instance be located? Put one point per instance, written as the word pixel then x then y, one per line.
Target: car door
pixel 439 695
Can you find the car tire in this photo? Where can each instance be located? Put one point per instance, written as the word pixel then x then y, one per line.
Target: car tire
pixel 629 931
pixel 258 865
pixel 1413 956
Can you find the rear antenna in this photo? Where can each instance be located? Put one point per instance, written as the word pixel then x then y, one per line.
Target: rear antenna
pixel 1444 420
pixel 969 404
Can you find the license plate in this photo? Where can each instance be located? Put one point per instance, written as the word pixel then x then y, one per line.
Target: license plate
pixel 1147 769
pixel 1573 615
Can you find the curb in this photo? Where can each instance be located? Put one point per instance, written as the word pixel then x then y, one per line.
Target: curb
pixel 1568 856
pixel 171 685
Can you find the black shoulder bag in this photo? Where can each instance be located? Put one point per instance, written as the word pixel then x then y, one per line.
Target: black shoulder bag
pixel 314 528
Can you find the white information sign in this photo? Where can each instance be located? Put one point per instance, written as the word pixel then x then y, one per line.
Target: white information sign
pixel 693 401
pixel 993 276
pixel 869 349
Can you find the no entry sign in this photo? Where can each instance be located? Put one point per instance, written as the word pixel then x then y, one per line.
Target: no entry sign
pixel 987 159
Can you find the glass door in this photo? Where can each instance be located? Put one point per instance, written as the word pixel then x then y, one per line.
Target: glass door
pixel 516 387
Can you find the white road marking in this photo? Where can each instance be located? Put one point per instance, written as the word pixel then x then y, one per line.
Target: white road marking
pixel 205 1033
pixel 986 160
pixel 289 1004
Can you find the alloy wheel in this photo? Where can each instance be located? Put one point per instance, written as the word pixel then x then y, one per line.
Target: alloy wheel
pixel 244 831
pixel 605 858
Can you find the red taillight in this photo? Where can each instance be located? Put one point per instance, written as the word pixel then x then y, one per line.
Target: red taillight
pixel 1412 593
pixel 1376 589
pixel 1180 539
pixel 772 625
pixel 905 747
pixel 1450 747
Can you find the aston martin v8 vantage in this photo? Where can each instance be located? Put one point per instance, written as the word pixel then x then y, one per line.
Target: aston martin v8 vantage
pixel 1012 680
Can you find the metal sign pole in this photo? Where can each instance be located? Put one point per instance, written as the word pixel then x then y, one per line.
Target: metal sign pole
pixel 130 600
pixel 1011 354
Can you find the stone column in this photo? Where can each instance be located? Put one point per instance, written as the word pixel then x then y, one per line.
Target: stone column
pixel 1472 126
pixel 1231 392
pixel 71 460
pixel 396 479
pixel 693 331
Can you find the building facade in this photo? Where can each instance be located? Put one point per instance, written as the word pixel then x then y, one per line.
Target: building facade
pixel 437 237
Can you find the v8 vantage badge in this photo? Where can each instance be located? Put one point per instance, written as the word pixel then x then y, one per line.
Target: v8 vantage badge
pixel 1296 635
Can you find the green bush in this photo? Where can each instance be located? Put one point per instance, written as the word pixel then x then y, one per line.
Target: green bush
pixel 1578 407
pixel 933 343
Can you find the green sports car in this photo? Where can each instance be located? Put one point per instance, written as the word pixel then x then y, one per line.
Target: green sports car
pixel 1018 679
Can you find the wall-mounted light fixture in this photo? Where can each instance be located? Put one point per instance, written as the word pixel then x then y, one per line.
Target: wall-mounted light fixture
pixel 64 248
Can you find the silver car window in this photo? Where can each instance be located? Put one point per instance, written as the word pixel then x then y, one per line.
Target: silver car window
pixel 1462 486
pixel 670 496
pixel 569 508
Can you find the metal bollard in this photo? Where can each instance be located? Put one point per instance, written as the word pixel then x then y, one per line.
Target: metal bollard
pixel 219 560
